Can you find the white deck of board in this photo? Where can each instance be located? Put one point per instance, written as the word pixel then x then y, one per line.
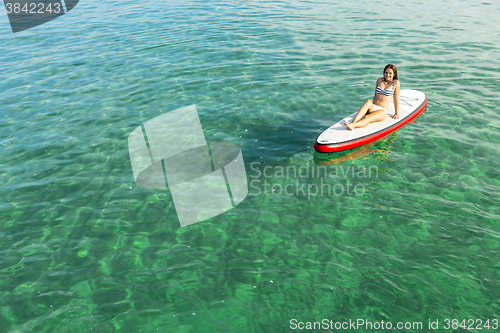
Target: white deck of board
pixel 409 100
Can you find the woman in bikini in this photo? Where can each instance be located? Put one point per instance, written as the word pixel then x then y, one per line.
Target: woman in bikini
pixel 387 88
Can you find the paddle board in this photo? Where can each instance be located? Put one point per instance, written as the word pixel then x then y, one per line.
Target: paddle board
pixel 338 138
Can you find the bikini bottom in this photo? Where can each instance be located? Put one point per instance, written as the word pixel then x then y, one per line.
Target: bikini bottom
pixel 376 108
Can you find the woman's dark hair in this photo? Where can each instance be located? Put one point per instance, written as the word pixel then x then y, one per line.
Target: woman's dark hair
pixel 391 66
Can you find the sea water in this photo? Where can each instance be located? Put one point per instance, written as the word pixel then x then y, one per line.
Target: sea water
pixel 404 231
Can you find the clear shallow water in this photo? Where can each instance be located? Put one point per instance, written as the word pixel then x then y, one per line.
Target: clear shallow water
pixel 84 249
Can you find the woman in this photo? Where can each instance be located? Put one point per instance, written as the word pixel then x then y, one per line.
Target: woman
pixel 386 88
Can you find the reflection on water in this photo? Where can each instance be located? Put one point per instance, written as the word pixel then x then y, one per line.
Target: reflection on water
pixel 381 148
pixel 382 151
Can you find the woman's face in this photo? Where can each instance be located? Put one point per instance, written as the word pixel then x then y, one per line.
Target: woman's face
pixel 388 74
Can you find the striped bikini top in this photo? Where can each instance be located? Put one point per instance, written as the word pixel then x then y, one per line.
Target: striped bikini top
pixel 386 92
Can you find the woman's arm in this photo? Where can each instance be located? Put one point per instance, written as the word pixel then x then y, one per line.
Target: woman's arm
pixel 396 99
pixel 376 85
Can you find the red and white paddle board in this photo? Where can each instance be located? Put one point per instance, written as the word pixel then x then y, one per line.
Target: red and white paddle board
pixel 338 138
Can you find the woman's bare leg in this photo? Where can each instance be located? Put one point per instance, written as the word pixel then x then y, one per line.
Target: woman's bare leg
pixel 370 118
pixel 368 106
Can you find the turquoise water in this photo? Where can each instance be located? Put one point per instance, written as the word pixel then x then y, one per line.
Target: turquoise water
pixel 413 236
